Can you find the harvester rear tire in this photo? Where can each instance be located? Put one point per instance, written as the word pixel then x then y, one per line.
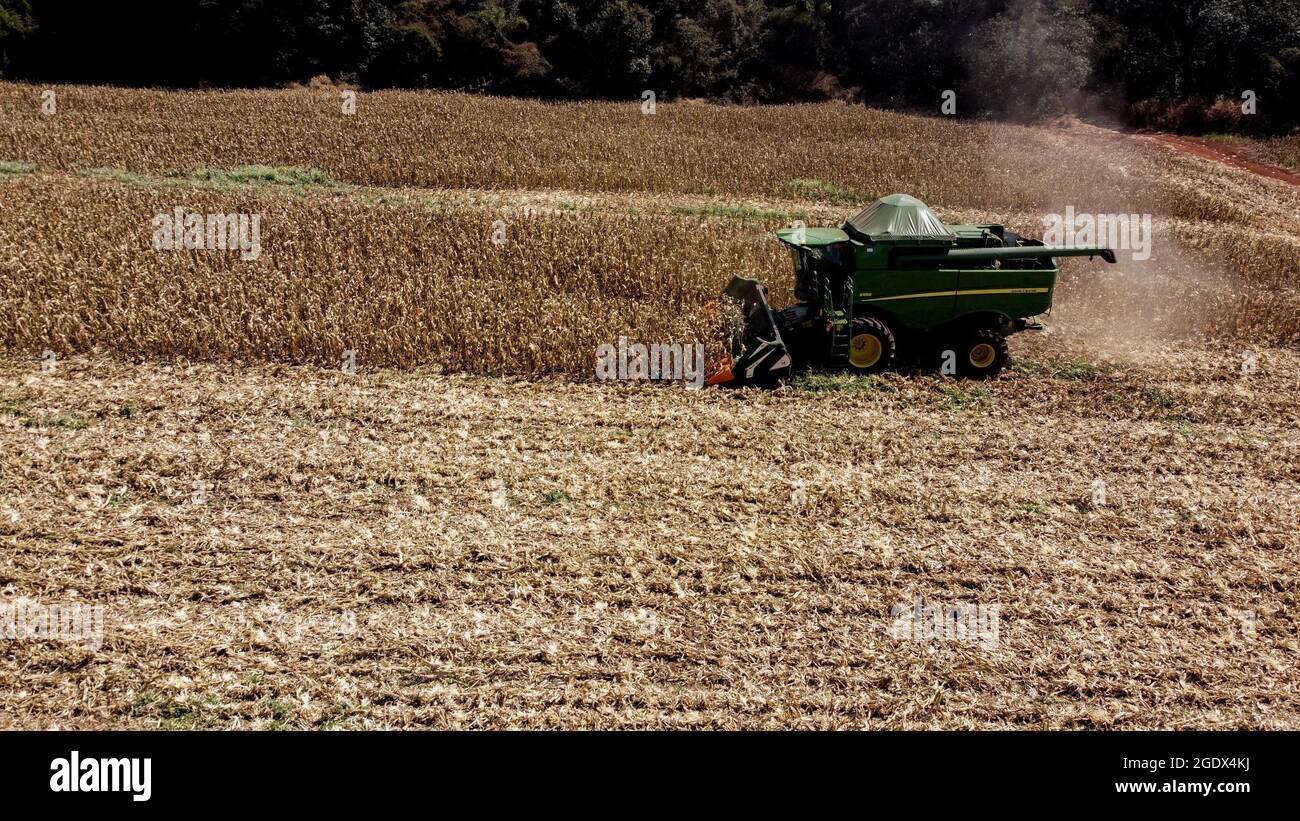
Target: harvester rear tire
pixel 871 345
pixel 982 354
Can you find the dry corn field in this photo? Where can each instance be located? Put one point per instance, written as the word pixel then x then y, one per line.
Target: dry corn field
pixel 1283 151
pixel 470 531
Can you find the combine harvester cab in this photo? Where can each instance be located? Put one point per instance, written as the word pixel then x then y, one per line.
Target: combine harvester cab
pixel 896 277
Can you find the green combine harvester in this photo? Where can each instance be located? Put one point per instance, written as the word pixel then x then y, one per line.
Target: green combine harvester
pixel 894 278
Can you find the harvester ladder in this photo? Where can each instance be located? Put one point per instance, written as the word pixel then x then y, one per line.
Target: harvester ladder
pixel 841 319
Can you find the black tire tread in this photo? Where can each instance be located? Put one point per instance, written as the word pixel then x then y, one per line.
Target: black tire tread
pixel 889 345
pixel 981 336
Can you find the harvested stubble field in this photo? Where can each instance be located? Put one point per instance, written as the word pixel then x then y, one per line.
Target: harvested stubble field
pixel 468 532
pixel 402 549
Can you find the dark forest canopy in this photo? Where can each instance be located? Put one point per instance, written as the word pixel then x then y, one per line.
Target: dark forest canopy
pixel 1170 63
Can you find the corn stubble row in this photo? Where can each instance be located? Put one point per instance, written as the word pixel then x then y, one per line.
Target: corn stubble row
pixel 399 285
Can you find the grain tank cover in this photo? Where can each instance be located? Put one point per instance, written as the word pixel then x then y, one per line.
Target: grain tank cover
pixel 899 216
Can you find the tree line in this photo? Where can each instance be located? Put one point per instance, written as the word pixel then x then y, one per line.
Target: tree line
pixel 1180 64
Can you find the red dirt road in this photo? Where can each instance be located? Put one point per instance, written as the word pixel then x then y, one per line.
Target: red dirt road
pixel 1224 153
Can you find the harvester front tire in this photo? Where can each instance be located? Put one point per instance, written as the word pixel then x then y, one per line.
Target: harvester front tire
pixel 871 345
pixel 982 354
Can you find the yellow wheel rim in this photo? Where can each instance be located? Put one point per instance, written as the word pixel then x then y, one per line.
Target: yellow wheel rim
pixel 982 355
pixel 864 351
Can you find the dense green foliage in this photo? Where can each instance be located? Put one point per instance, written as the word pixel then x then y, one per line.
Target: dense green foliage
pixel 1161 61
